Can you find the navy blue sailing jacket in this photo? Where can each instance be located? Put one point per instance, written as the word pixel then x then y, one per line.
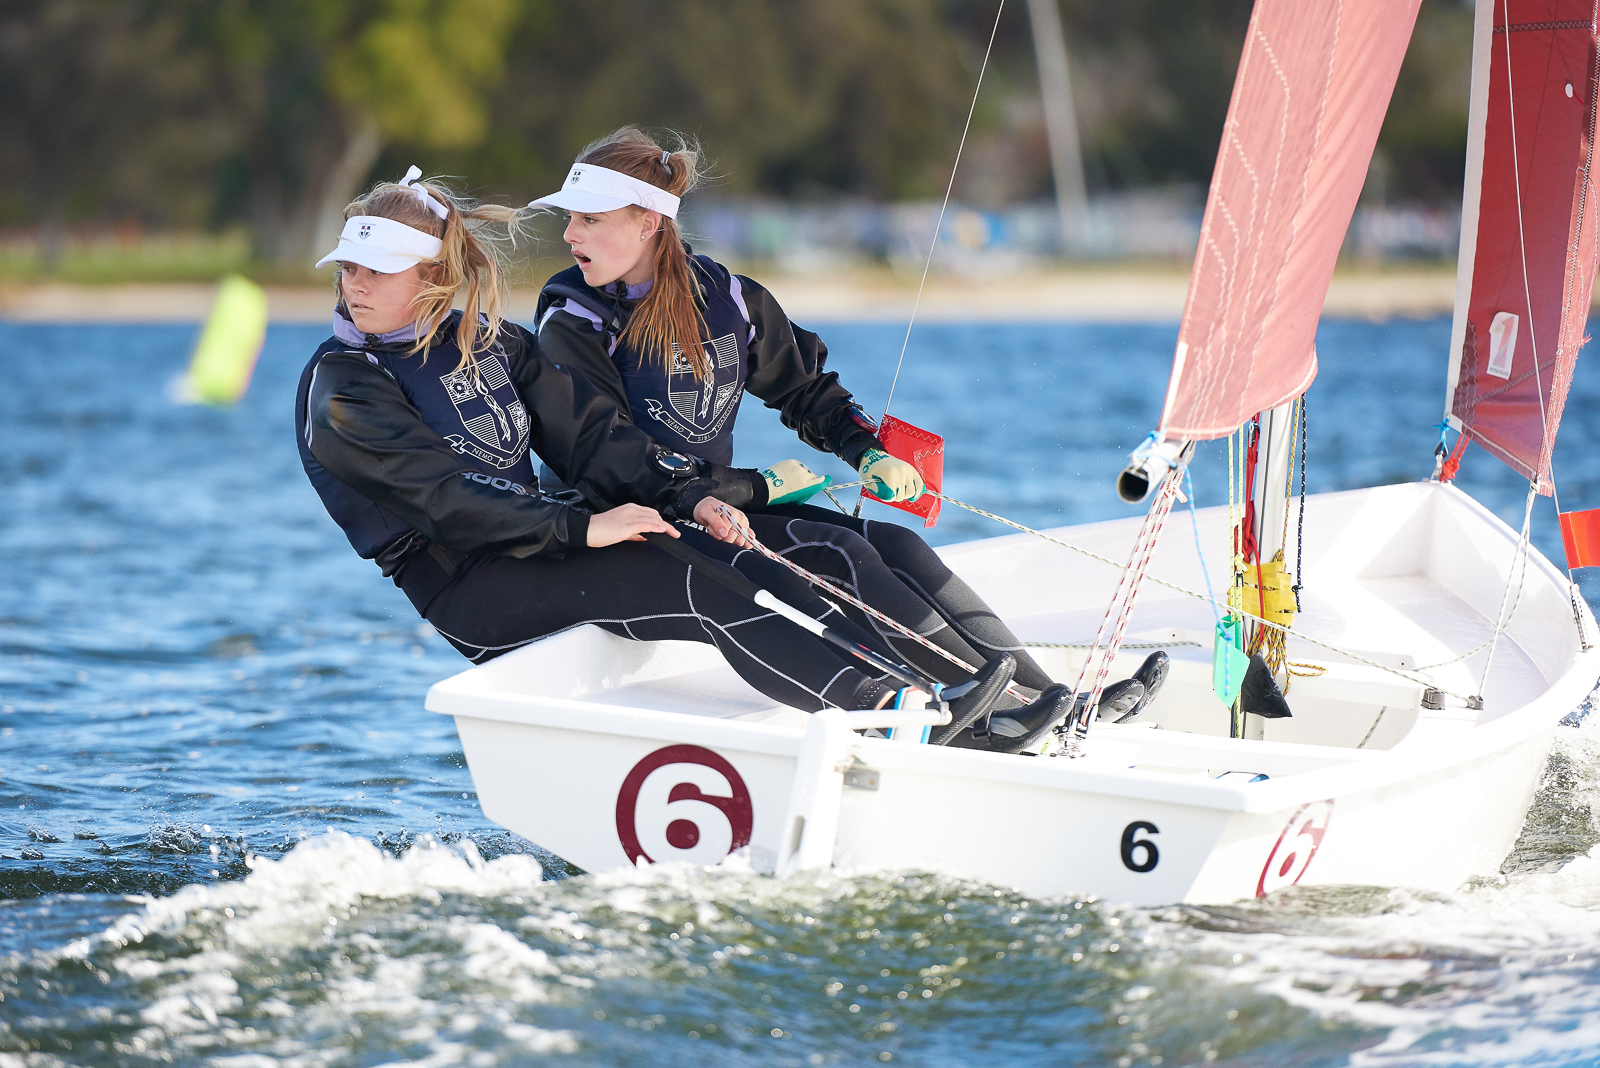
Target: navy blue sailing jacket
pixel 752 346
pixel 407 451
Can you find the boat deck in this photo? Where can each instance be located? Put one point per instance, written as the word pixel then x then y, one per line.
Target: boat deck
pixel 1389 597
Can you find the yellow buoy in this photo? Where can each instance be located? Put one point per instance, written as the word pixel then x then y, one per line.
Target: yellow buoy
pixel 225 356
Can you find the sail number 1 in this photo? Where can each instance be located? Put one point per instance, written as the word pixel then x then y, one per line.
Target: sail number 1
pixel 1139 854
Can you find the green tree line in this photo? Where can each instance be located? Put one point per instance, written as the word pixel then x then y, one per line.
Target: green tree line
pixel 204 114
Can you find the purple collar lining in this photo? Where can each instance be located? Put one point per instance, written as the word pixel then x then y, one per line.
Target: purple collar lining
pixel 346 331
pixel 629 292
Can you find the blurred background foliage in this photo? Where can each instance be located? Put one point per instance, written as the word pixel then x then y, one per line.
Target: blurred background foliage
pixel 214 132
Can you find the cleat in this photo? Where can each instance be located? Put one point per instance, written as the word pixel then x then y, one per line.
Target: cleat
pixel 1151 674
pixel 975 698
pixel 1260 694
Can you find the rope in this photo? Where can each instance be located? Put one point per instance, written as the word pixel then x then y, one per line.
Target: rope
pixel 1501 619
pixel 1522 239
pixel 753 542
pixel 1533 342
pixel 1368 738
pixel 1357 657
pixel 955 166
pixel 1076 728
pixel 1538 377
pixel 934 243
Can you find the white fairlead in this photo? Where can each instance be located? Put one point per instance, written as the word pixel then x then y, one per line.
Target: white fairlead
pixel 383 245
pixel 428 200
pixel 593 190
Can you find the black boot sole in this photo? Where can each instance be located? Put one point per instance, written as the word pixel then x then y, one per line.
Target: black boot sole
pixel 1151 674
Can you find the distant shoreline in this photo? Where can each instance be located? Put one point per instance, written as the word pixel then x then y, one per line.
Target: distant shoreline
pixel 1077 294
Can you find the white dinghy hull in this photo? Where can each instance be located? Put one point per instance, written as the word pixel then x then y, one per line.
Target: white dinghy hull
pixel 610 753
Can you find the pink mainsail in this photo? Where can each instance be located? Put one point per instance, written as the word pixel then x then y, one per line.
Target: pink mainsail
pixel 1528 228
pixel 1314 82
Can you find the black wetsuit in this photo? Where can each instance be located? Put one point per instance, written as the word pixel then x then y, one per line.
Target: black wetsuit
pixel 754 347
pixel 426 467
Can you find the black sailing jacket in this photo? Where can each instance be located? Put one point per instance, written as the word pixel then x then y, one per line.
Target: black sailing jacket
pixel 405 452
pixel 782 363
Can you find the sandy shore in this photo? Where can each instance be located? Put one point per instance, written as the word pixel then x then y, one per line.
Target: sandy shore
pixel 1079 294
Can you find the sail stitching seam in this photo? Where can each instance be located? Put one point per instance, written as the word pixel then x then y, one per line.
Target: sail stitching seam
pixel 1569 24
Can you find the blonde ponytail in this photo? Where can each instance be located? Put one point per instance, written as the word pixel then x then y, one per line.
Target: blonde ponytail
pixel 472 256
pixel 669 317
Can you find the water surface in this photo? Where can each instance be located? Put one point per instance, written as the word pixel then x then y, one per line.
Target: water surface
pixel 230 835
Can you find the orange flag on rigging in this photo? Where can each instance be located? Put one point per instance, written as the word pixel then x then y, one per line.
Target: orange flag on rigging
pixel 921 450
pixel 1580 533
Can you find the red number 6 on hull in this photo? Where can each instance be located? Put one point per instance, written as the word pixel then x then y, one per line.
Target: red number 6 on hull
pixel 683 803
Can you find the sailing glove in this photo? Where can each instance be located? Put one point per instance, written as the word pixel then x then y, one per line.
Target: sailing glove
pixel 890 479
pixel 792 482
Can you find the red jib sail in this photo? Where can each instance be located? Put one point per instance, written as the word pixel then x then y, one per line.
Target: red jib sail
pixel 1528 228
pixel 1314 82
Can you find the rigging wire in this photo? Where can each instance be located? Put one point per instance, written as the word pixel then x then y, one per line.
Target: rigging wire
pixel 1114 624
pixel 1502 621
pixel 1538 379
pixel 954 167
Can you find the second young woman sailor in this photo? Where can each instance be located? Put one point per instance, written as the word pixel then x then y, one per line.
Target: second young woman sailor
pixel 676 339
pixel 415 425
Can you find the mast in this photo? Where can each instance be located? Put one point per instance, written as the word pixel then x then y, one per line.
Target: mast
pixel 1471 195
pixel 1060 119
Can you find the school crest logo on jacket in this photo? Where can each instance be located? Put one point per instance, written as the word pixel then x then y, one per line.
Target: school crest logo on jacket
pixel 695 410
pixel 491 413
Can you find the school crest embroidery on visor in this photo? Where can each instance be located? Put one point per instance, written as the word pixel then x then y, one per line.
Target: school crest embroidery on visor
pixel 490 411
pixel 698 413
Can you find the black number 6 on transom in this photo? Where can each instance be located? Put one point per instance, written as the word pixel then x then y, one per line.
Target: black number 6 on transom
pixel 1130 843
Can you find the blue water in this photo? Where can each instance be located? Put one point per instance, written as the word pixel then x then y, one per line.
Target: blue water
pixel 230 835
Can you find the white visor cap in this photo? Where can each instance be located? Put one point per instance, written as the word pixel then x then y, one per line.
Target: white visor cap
pixel 592 190
pixel 383 245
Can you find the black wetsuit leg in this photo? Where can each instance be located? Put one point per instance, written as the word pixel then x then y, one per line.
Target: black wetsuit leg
pixel 494 604
pixel 959 619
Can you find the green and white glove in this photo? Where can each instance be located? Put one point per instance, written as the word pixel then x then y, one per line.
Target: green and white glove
pixel 792 482
pixel 890 479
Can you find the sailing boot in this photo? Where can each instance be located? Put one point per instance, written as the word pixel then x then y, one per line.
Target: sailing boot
pixel 1151 674
pixel 1260 694
pixel 1011 730
pixel 975 698
pixel 1017 730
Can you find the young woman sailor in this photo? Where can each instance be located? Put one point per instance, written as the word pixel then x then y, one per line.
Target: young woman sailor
pixel 638 293
pixel 415 425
